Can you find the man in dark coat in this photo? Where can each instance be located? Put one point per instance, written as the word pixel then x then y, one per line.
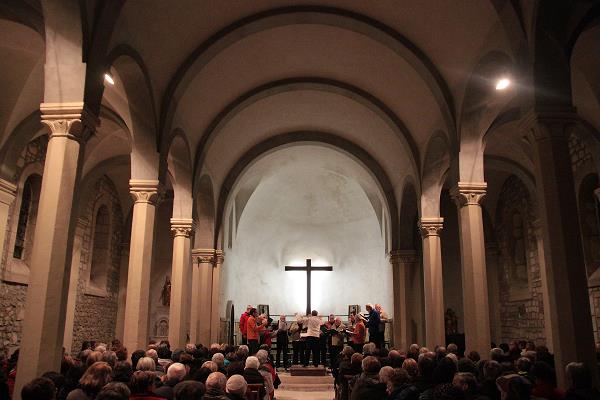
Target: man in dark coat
pixel 367 386
pixel 373 325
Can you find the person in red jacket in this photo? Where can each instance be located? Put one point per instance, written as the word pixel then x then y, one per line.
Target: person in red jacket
pixel 244 323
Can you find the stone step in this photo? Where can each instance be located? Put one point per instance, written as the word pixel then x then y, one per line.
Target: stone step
pixel 308 371
pixel 303 387
pixel 306 379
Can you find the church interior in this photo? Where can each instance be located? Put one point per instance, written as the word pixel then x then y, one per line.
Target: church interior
pixel 162 161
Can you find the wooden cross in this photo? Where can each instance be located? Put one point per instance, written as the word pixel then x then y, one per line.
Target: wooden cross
pixel 308 268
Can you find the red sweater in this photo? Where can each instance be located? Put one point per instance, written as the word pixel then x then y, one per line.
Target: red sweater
pixel 244 324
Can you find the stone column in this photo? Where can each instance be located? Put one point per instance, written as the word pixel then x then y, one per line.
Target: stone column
pixel 215 326
pixel 44 325
pixel 539 241
pixel 145 196
pixel 122 296
pixel 493 284
pixel 82 225
pixel 180 273
pixel 433 284
pixel 402 262
pixel 570 315
pixel 467 196
pixel 200 312
pixel 8 192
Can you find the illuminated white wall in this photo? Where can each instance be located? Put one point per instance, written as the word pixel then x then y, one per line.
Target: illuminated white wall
pixel 310 202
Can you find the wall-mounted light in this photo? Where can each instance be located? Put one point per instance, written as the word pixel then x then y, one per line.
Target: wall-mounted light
pixel 502 83
pixel 109 79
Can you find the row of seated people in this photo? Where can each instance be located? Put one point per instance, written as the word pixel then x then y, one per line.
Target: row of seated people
pixel 444 374
pixel 99 373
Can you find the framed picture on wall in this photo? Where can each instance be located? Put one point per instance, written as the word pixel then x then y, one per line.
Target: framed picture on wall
pixel 263 309
pixel 354 308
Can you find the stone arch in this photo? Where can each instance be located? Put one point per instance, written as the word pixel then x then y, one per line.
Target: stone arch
pixel 589 218
pixel 303 83
pixel 132 98
pixel 205 236
pixel 309 14
pixel 435 168
pixel 481 107
pixel 178 165
pixel 346 146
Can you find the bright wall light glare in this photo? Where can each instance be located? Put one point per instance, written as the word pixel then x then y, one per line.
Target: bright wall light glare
pixel 502 83
pixel 109 79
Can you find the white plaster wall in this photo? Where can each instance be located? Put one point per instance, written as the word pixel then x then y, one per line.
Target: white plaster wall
pixel 308 206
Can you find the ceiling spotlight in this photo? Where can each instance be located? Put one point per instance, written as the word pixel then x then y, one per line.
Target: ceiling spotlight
pixel 502 83
pixel 109 79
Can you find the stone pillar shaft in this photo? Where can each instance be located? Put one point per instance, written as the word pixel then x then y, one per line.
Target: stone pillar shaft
pixel 570 316
pixel 122 299
pixel 180 273
pixel 468 196
pixel 402 262
pixel 544 280
pixel 44 324
pixel 145 195
pixel 8 193
pixel 491 253
pixel 215 326
pixel 200 313
pixel 433 284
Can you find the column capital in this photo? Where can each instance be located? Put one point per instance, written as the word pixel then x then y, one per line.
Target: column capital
pixel 431 226
pixel 72 120
pixel 144 190
pixel 468 193
pixel 208 256
pixel 403 257
pixel 182 226
pixel 219 257
pixel 8 192
pixel 542 122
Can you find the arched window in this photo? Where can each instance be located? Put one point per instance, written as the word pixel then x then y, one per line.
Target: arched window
pixel 100 251
pixel 589 214
pixel 27 216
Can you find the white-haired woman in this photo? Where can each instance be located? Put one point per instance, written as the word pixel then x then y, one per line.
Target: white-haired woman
pixel 252 374
pixel 267 374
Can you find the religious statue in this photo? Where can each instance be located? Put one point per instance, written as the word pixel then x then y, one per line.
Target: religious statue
pixel 162 328
pixel 165 295
pixel 451 322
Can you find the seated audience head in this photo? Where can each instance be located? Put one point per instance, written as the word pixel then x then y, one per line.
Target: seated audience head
pixel 396 359
pixel 39 389
pixel 447 391
pixel 146 364
pixel 142 382
pixel 136 356
pixel 252 362
pixel 216 381
pixel 356 358
pixel 188 390
pixel 371 365
pixel 93 357
pixel 467 382
pixel 426 367
pixel 237 385
pixel 453 357
pixel 56 378
pixel 543 373
pixel 514 387
pixel 152 354
pixel 95 377
pixel 491 370
pixel 114 391
pixel 164 352
pixel 211 365
pixel 411 367
pixel 452 348
pixel 122 372
pixel 101 347
pixel 347 352
pixel 579 376
pixel 474 356
pixel 385 374
pixel 242 352
pixel 399 379
pixel 219 359
pixel 466 365
pixel 110 357
pixel 369 349
pixel 444 371
pixel 263 356
pixel 176 372
pixel 524 364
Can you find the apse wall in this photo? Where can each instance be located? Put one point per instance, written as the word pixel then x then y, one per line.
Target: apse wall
pixel 308 202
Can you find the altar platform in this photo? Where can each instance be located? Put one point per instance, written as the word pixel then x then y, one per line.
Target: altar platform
pixel 298 370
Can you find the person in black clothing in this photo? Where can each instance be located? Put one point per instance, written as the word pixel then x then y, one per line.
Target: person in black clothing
pixel 373 322
pixel 368 386
pixel 400 387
